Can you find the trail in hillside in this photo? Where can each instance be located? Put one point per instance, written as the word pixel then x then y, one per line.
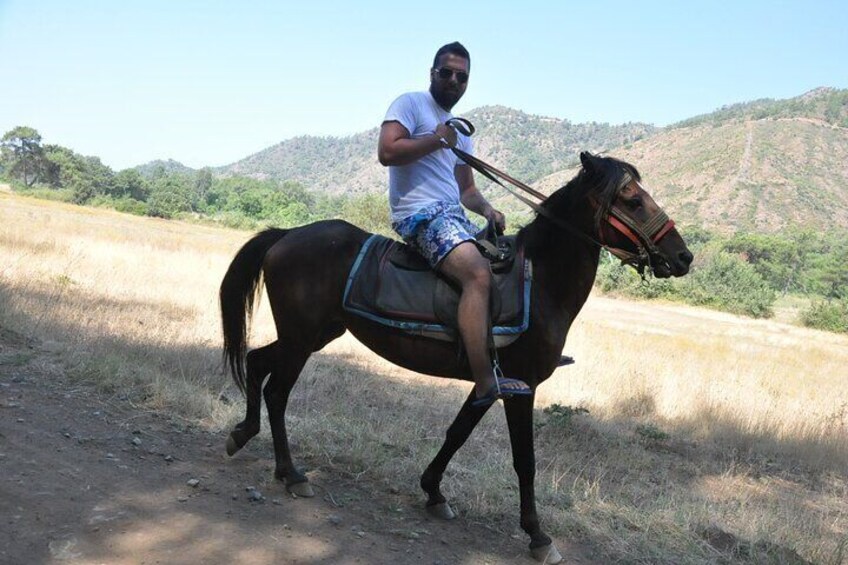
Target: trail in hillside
pixel 745 163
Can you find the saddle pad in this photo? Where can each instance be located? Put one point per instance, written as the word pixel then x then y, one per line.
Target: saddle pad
pixel 424 303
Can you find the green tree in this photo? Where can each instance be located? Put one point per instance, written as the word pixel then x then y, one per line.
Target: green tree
pixel 22 154
pixel 130 184
pixel 369 212
pixel 171 195
pixel 202 184
pixel 86 177
pixel 58 163
pixel 775 258
pixel 97 179
pixel 831 272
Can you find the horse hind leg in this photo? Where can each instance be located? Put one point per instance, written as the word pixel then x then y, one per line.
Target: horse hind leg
pixel 288 366
pixel 259 363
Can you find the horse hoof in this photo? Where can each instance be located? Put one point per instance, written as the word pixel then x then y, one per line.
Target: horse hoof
pixel 546 554
pixel 303 489
pixel 442 511
pixel 232 446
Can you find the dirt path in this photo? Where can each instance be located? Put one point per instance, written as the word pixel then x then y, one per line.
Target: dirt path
pixel 88 478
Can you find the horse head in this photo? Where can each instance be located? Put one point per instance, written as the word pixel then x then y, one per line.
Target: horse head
pixel 627 220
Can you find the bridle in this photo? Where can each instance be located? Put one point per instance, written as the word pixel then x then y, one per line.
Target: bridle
pixel 645 236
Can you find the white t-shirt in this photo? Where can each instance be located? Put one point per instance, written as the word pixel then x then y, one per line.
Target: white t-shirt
pixel 431 178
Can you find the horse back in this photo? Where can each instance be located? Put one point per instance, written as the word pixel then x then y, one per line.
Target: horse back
pixel 320 245
pixel 305 271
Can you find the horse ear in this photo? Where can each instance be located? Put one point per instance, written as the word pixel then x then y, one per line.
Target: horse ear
pixel 586 160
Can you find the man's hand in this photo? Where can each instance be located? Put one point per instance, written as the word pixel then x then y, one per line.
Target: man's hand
pixel 447 133
pixel 498 218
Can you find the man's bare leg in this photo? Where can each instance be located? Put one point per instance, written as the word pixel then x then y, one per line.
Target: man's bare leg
pixel 465 265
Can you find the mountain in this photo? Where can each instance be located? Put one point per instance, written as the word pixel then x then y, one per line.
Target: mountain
pixel 761 166
pixel 332 165
pixel 528 146
pixel 167 166
pixel 828 105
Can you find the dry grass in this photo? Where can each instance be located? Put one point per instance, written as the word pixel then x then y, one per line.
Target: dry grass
pixel 709 438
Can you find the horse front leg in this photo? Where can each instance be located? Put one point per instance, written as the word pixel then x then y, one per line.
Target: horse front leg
pixel 457 434
pixel 259 363
pixel 519 418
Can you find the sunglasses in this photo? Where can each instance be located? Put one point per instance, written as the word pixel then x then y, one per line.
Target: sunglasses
pixel 445 74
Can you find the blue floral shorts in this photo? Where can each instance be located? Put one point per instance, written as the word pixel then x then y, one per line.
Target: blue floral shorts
pixel 435 230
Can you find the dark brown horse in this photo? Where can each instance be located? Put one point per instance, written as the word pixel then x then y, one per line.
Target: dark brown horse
pixel 305 270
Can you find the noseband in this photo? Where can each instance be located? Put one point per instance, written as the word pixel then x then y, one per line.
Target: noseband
pixel 645 236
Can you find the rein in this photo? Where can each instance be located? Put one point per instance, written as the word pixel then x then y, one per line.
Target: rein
pixel 644 237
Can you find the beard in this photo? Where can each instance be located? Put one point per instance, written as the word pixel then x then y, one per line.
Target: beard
pixel 447 99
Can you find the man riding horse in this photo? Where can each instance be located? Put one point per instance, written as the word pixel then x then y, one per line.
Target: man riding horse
pixel 428 187
pixel 307 272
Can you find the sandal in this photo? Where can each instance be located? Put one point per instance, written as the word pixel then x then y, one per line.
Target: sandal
pixel 503 389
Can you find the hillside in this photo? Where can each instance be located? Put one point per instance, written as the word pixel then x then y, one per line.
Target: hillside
pixel 527 145
pixel 760 175
pixel 332 165
pixel 739 170
pixel 531 147
pixel 763 165
pixel 828 105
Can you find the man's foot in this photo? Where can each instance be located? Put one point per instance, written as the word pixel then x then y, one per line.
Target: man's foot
pixel 504 388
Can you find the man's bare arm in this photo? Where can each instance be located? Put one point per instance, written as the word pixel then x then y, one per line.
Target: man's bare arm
pixel 473 199
pixel 396 147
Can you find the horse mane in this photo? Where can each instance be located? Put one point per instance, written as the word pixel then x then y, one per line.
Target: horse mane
pixel 599 178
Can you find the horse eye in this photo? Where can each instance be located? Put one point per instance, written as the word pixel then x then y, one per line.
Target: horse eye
pixel 634 203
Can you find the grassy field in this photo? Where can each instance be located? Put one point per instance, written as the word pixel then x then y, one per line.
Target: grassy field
pixel 679 436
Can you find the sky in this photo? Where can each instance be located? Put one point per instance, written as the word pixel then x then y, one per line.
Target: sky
pixel 209 83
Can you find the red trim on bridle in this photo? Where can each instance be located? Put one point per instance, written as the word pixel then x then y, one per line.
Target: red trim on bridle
pixel 623 229
pixel 644 240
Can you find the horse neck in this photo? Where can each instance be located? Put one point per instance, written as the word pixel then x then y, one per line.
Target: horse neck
pixel 564 264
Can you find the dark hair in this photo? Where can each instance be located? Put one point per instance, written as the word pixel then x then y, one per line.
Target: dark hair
pixel 455 48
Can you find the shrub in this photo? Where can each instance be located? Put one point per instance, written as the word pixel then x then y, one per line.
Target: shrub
pixel 125 204
pixel 652 434
pixel 830 315
pixel 45 193
pixel 561 417
pixel 616 278
pixel 726 282
pixel 131 206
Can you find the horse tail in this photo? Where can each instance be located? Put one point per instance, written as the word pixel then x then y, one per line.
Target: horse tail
pixel 239 289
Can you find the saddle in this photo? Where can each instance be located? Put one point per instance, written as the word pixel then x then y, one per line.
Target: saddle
pixel 392 284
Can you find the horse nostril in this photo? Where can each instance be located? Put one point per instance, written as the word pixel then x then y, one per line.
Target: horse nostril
pixel 685 257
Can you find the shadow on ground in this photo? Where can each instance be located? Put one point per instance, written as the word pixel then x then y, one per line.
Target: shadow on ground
pixel 82 489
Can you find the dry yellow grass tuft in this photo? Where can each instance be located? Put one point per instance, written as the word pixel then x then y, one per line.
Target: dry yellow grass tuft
pixel 708 438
